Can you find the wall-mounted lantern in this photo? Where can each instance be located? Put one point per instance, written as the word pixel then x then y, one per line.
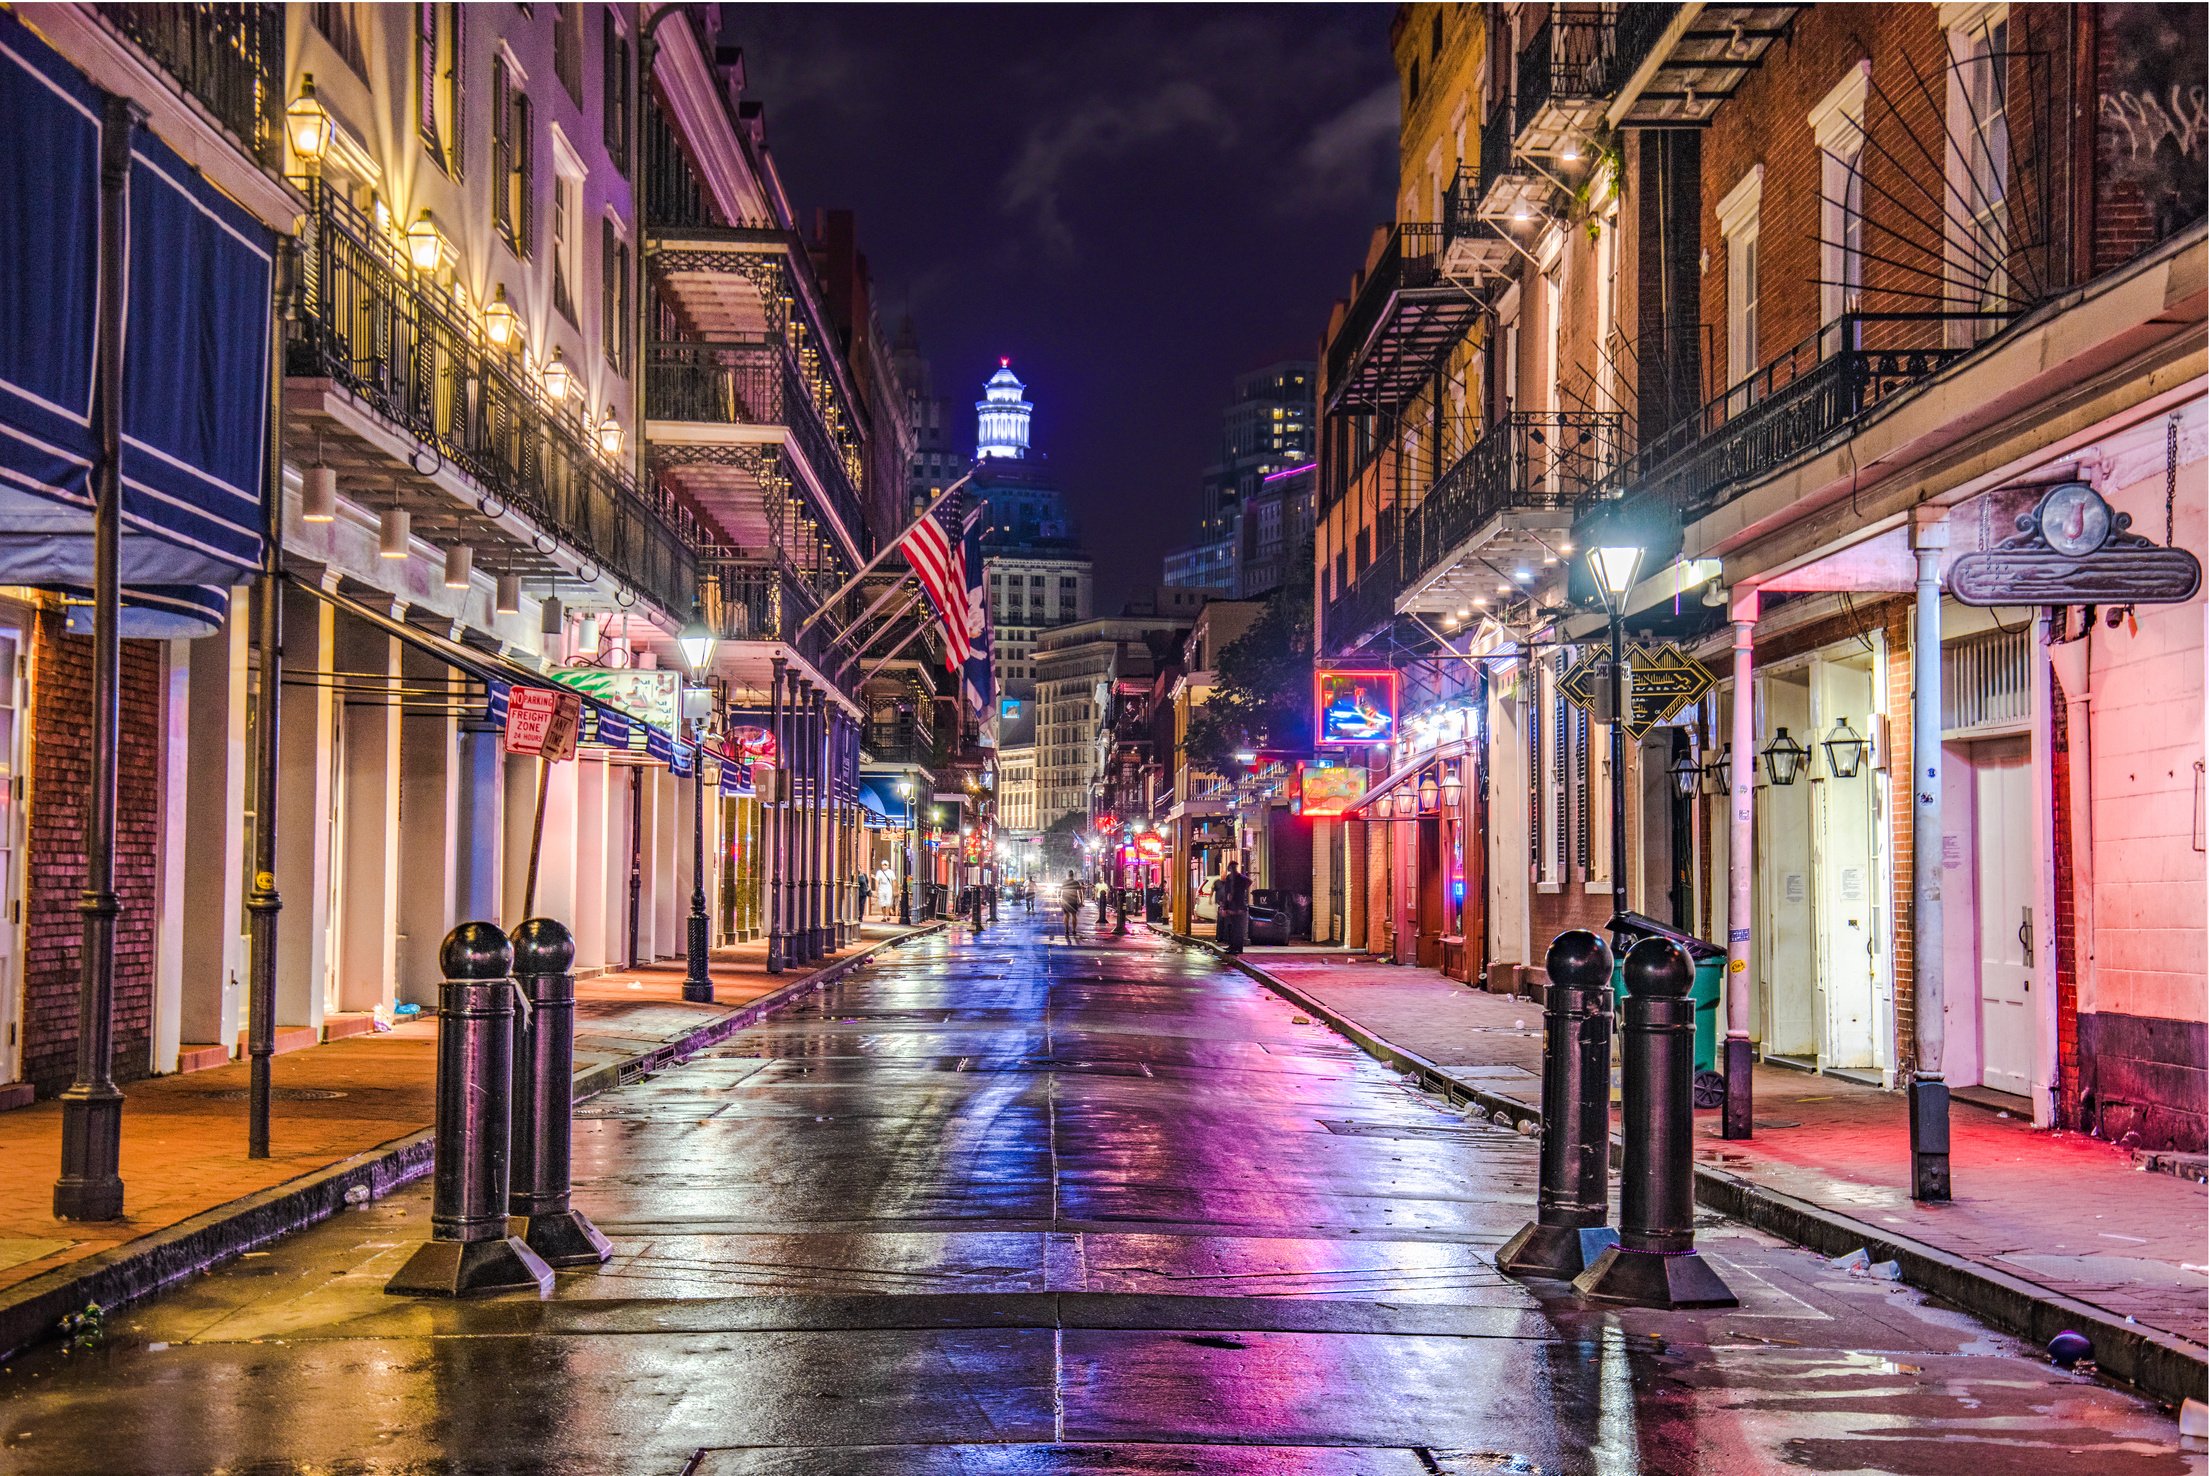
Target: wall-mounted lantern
pixel 1784 759
pixel 1845 750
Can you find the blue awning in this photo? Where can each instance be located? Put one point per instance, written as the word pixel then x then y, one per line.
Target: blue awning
pixel 878 796
pixel 195 359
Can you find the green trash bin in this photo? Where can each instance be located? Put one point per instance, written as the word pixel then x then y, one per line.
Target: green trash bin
pixel 1629 928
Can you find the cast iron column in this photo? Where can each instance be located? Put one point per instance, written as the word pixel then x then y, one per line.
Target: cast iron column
pixel 778 855
pixel 697 982
pixel 905 867
pixel 1618 760
pixel 824 942
pixel 91 1184
pixel 1738 1121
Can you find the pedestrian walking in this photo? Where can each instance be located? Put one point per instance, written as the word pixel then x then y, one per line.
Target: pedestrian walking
pixel 1233 895
pixel 1069 903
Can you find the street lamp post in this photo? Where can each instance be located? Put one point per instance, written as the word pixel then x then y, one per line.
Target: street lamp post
pixel 1614 565
pixel 697 643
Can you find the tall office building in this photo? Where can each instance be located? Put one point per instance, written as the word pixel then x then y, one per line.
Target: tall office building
pixel 1266 429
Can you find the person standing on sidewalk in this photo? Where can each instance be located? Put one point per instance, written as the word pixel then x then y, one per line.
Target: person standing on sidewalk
pixel 1233 895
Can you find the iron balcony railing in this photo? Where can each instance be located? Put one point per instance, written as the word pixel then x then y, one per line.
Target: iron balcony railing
pixel 755 383
pixel 746 598
pixel 1804 398
pixel 1527 459
pixel 1635 31
pixel 1409 260
pixel 903 743
pixel 367 322
pixel 230 57
pixel 674 197
pixel 1496 158
pixel 1567 59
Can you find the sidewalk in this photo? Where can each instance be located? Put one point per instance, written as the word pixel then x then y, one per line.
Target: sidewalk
pixel 2048 1229
pixel 351 1113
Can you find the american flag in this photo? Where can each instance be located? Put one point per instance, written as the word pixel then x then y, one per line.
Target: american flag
pixel 940 564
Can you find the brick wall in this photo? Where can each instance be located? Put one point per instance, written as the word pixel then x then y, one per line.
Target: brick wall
pixel 1904 236
pixel 59 766
pixel 2145 189
pixel 2067 937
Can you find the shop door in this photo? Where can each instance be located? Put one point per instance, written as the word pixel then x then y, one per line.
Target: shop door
pixel 2003 841
pixel 1430 893
pixel 1791 1017
pixel 1844 861
pixel 11 852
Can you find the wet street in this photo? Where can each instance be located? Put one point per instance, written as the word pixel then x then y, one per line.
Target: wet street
pixel 1003 1205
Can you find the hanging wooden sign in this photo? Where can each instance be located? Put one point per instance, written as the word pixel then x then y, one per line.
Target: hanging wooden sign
pixel 1660 682
pixel 2074 549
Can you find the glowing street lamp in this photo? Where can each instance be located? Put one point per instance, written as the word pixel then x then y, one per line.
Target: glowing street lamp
pixel 307 124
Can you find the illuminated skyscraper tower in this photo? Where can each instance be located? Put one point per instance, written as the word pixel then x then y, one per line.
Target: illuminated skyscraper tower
pixel 1003 411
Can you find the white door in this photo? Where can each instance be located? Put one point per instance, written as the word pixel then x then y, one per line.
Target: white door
pixel 1847 879
pixel 2002 775
pixel 1787 925
pixel 11 853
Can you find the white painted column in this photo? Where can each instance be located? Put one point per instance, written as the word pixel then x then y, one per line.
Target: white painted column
pixel 670 836
pixel 303 781
pixel 518 791
pixel 480 808
pixel 428 806
pixel 590 864
pixel 212 895
pixel 169 855
pixel 1929 1176
pixel 1739 1117
pixel 368 914
pixel 676 870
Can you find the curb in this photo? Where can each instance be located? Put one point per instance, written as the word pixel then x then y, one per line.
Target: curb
pixel 2160 1365
pixel 150 1264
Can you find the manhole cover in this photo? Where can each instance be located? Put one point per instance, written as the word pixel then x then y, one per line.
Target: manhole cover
pixel 280 1094
pixel 1776 1122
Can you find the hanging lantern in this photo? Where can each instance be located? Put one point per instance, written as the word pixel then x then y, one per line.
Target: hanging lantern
pixel 307 123
pixel 425 243
pixel 1453 786
pixel 508 596
pixel 556 378
pixel 1784 759
pixel 318 495
pixel 397 528
pixel 460 566
pixel 1430 794
pixel 1845 750
pixel 498 319
pixel 1687 774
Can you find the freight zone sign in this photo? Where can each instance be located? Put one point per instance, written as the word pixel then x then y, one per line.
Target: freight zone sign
pixel 543 722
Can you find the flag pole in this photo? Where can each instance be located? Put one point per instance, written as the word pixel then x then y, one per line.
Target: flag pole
pixel 887 549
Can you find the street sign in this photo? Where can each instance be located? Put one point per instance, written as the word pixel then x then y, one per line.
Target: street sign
pixel 543 722
pixel 1660 682
pixel 2072 549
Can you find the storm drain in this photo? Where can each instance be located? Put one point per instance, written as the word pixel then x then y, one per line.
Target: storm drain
pixel 1072 1458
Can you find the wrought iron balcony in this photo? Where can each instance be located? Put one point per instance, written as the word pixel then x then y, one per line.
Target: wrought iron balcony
pixel 400 344
pixel 757 383
pixel 1811 395
pixel 1497 159
pixel 1565 74
pixel 1525 460
pixel 746 598
pixel 903 743
pixel 230 57
pixel 1356 615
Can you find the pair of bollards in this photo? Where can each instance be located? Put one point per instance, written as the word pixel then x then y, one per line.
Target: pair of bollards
pixel 500 1217
pixel 1650 1261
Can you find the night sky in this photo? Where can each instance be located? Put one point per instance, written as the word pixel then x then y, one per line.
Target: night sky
pixel 1132 203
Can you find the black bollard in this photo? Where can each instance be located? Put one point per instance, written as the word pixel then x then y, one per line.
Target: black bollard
pixel 1573 1200
pixel 544 1101
pixel 1655 1264
pixel 469 1250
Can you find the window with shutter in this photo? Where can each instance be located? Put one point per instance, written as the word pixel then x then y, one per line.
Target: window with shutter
pixel 567 49
pixel 502 150
pixel 425 78
pixel 616 59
